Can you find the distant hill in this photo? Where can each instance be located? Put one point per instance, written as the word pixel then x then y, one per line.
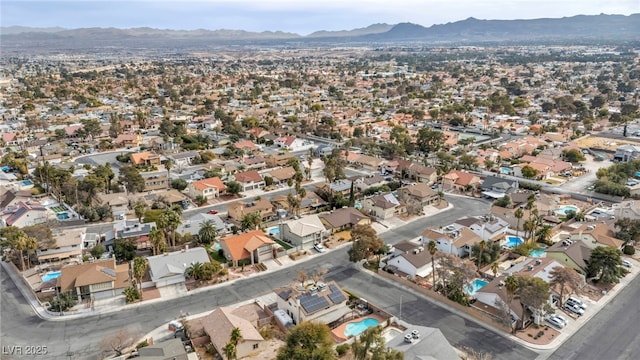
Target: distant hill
pixel 471 30
pixel 371 29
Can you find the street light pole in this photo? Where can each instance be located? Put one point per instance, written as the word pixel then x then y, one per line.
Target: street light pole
pixel 400 317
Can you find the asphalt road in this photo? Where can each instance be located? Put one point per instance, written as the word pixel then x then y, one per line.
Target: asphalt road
pixel 81 338
pixel 611 334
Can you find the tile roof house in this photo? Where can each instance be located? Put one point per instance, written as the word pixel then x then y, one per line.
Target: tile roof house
pixel 67 244
pixel 208 188
pixel 171 349
pixel 168 268
pixel 145 158
pixel 304 232
pixel 494 298
pixel 237 210
pixel 220 323
pixel 368 162
pixel 310 203
pixel 254 245
pixel 418 172
pixel 497 187
pixel 343 219
pixel 128 140
pixel 452 239
pixel 274 160
pixel 94 280
pixel 459 180
pixel 594 235
pixel 432 344
pixel 487 227
pixel 249 180
pixel 282 175
pixel 362 183
pixel 414 260
pixel 247 146
pixel 321 302
pixel 573 254
pixel 383 206
pixel 24 214
pixel 415 197
pixel 255 162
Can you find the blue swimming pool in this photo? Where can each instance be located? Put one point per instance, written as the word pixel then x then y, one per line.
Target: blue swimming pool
pixel 356 328
pixel 505 170
pixel 513 241
pixel 51 275
pixel 563 210
pixel 476 285
pixel 274 231
pixel 537 253
pixel 26 182
pixel 62 216
pixel 217 246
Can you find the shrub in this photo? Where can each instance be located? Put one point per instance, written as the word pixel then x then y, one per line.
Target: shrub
pixel 142 344
pixel 342 349
pixel 629 250
pixel 131 294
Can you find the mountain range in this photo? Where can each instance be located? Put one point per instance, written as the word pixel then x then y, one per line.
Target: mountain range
pixel 471 30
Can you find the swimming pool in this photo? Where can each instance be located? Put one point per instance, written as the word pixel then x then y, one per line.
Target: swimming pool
pixel 274 231
pixel 62 216
pixel 217 246
pixel 505 170
pixel 27 182
pixel 51 275
pixel 356 328
pixel 476 285
pixel 513 241
pixel 537 253
pixel 563 210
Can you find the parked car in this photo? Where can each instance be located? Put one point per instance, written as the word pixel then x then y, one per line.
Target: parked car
pixel 213 212
pixel 555 321
pixel 561 318
pixel 626 263
pixel 408 338
pixel 319 248
pixel 577 302
pixel 574 309
pixel 415 334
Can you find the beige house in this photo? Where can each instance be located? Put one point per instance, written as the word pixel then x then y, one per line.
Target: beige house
pixel 382 206
pixel 596 234
pixel 344 219
pixel 66 245
pixel 208 188
pixel 94 280
pixel 237 210
pixel 321 302
pixel 254 246
pixel 220 324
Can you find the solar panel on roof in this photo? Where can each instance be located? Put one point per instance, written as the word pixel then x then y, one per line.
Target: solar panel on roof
pixel 312 304
pixel 336 295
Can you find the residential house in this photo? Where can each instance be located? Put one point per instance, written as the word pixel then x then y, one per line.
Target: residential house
pixel 208 188
pixel 94 280
pixel 24 214
pixel 311 203
pixel 255 162
pixel 66 244
pixel 338 186
pixel 171 349
pixel 414 261
pixel 128 140
pixel 247 146
pixel 382 207
pixel 291 143
pixel 183 159
pixel 573 254
pixel 362 183
pixel 627 209
pixel 134 230
pixel 452 239
pixel 460 181
pixel 239 209
pixel 594 235
pixel 493 299
pixel 626 153
pixel 257 132
pixel 497 187
pixel 254 246
pixel 344 219
pixel 320 302
pixel 192 225
pixel 545 168
pixel 431 344
pixel 304 232
pixel 280 159
pixel 156 180
pixel 488 227
pixel 249 180
pixel 415 197
pixel 368 162
pixel 282 175
pixel 410 170
pixel 145 158
pixel 118 202
pixel 220 323
pixel 169 268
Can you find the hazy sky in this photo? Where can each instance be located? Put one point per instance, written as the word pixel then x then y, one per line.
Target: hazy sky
pixel 299 16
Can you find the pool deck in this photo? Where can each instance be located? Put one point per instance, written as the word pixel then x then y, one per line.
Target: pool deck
pixel 338 333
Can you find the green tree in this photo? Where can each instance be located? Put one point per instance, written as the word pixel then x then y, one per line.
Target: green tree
pixel 251 221
pixel 131 178
pixel 482 245
pixel 566 279
pixel 63 301
pixel 504 202
pixel 529 172
pixel 139 208
pixel 124 250
pixel 91 127
pixel 168 165
pixel 573 156
pixel 605 264
pixel 179 184
pixel 140 266
pixel 131 294
pixel 308 340
pixel 365 243
pixel 519 213
pixel 371 345
pixel 97 251
pixel 169 220
pixel 194 271
pixel 157 239
pixel 511 286
pixel 233 187
pixel 433 249
pixel 534 293
pixel 207 233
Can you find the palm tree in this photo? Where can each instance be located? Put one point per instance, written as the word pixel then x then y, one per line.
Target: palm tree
pixel 229 351
pixel 529 225
pixel 168 165
pixel 365 342
pixel 139 208
pixel 511 285
pixel 518 214
pixel 481 246
pixel 207 233
pixel 565 278
pixel 157 239
pixel 194 271
pixel 544 234
pixel 169 220
pixel 494 269
pixel 432 250
pixel 139 269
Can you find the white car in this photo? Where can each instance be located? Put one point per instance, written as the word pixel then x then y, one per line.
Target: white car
pixel 555 322
pixel 319 248
pixel 626 263
pixel 574 309
pixel 561 318
pixel 415 334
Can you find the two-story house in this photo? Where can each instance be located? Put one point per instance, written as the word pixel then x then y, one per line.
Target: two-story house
pixel 253 246
pixel 452 239
pixel 94 280
pixel 488 227
pixel 411 259
pixel 496 187
pixel 596 234
pixel 321 302
pixel 460 181
pixel 208 188
pixel 66 244
pixel 237 210
pixel 145 158
pixel 249 180
pixel 304 232
pixel 382 207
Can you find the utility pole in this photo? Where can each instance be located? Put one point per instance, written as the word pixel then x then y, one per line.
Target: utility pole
pixel 400 317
